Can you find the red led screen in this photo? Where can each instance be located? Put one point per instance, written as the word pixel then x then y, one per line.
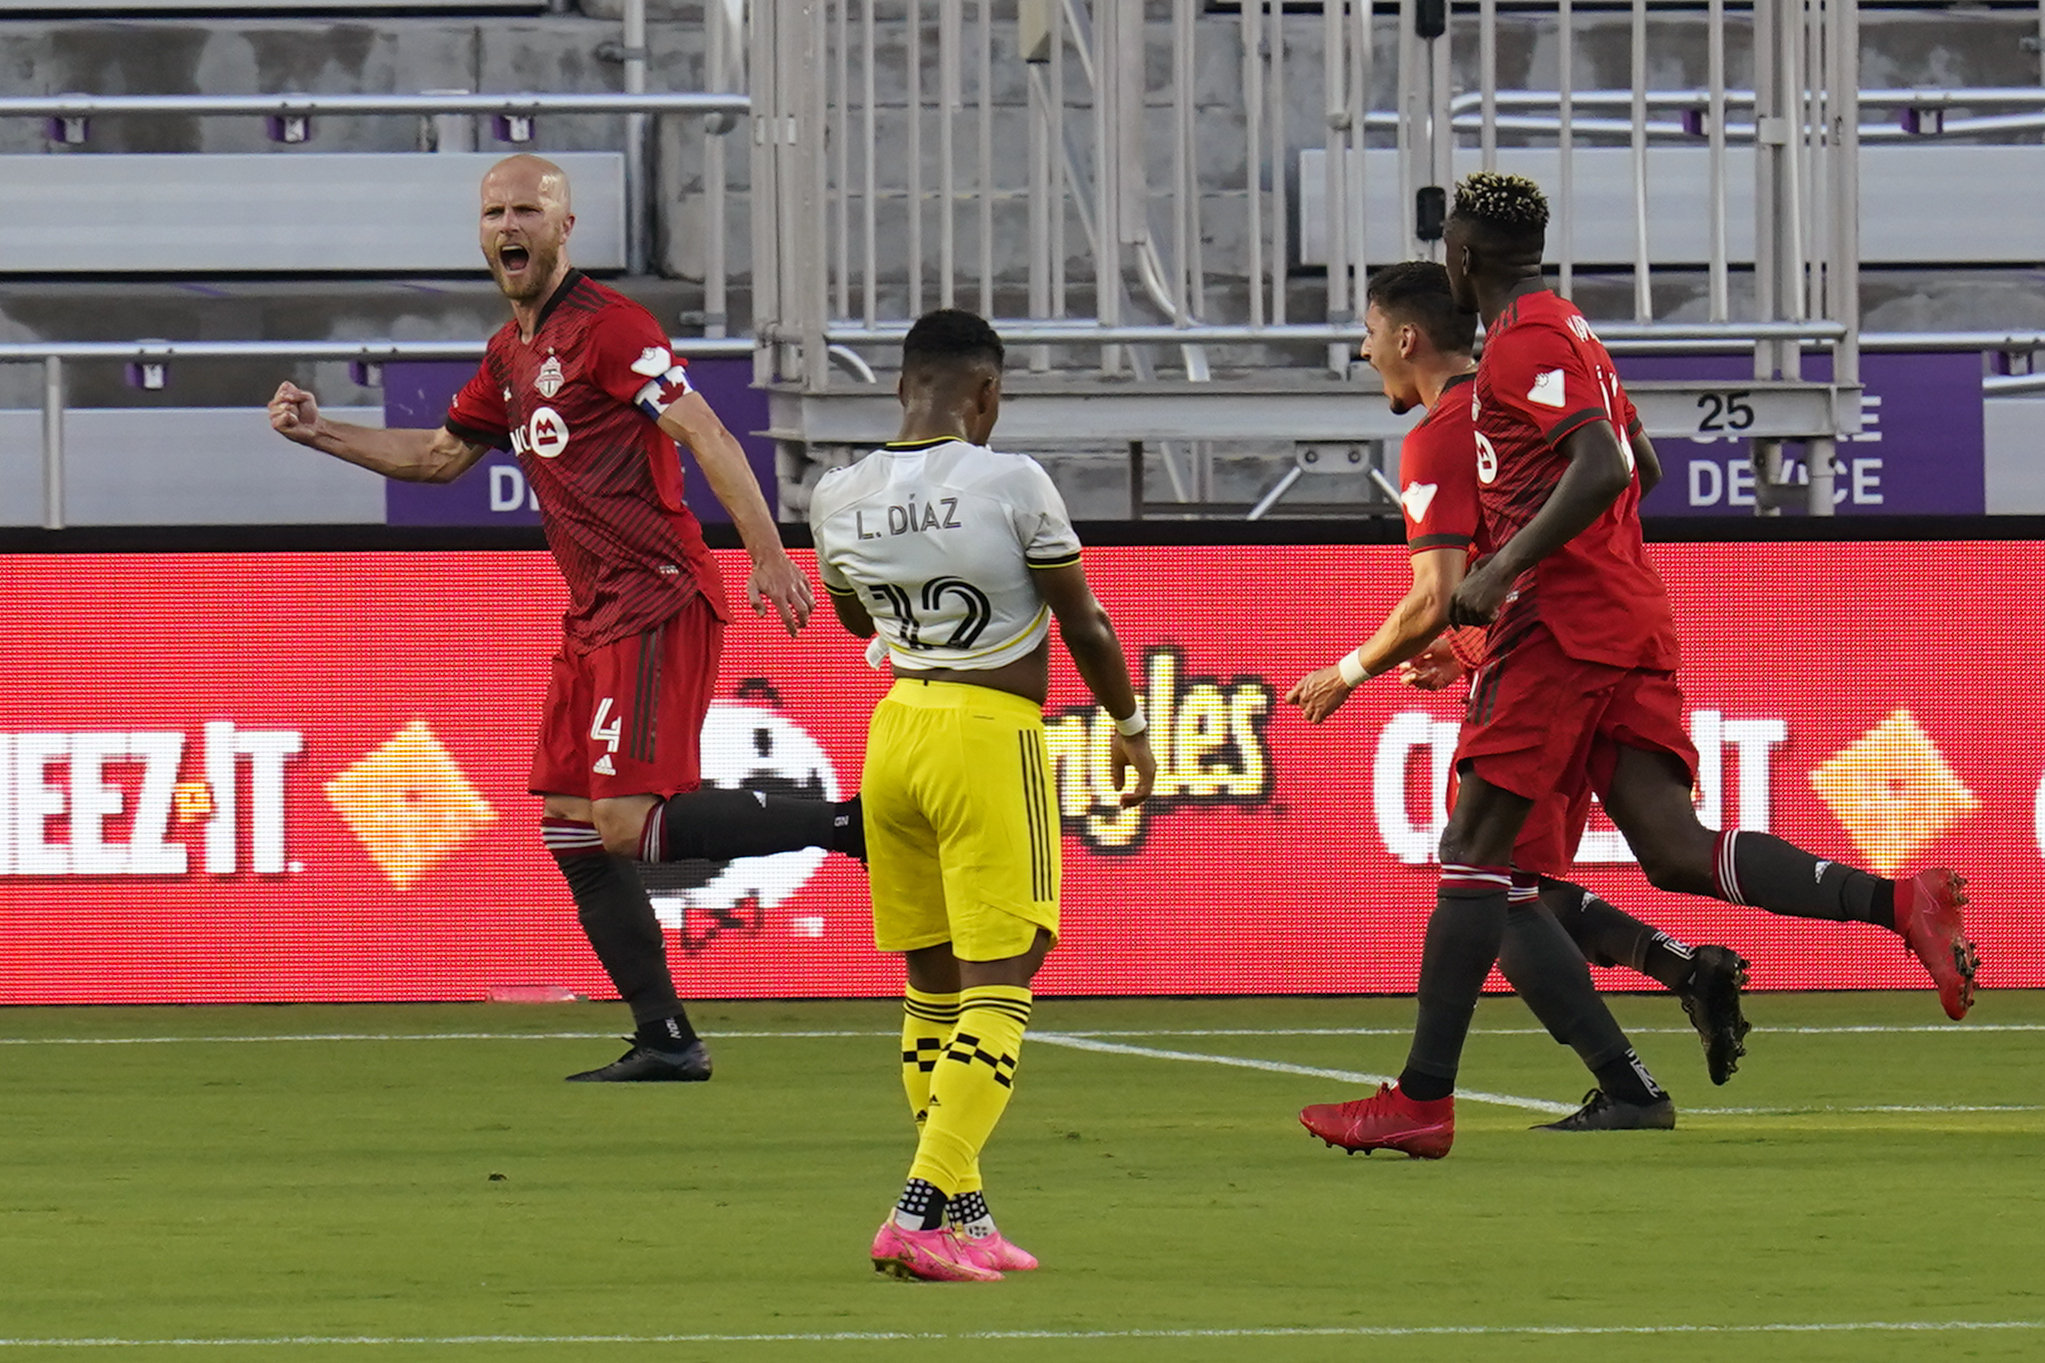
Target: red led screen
pixel 302 776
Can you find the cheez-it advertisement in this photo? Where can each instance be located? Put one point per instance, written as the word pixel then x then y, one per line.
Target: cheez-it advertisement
pixel 275 777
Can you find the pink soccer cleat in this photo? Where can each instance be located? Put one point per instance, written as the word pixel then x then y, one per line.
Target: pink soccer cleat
pixel 936 1256
pixel 995 1251
pixel 1928 916
pixel 1387 1120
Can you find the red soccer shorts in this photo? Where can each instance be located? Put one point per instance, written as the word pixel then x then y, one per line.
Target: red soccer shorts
pixel 626 718
pixel 1548 727
pixel 1548 839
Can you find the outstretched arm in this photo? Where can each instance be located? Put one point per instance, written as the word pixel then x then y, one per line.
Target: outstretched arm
pixel 1090 638
pixel 774 580
pixel 408 455
pixel 1417 618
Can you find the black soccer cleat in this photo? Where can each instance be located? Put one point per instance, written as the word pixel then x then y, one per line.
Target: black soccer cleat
pixel 645 1065
pixel 1602 1112
pixel 1711 997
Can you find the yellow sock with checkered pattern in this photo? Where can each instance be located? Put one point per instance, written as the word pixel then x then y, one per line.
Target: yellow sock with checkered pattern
pixel 970 1087
pixel 928 1020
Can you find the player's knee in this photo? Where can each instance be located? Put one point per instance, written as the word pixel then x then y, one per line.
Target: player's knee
pixel 623 830
pixel 1677 863
pixel 1659 869
pixel 1473 847
pixel 1458 848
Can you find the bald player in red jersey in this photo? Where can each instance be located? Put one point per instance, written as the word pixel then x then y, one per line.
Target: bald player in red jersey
pixel 581 386
pixel 1420 343
pixel 1578 677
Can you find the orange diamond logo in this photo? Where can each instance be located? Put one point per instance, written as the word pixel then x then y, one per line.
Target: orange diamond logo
pixel 409 804
pixel 1893 792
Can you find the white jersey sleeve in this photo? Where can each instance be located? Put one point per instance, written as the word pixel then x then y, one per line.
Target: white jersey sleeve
pixel 833 576
pixel 938 539
pixel 1042 526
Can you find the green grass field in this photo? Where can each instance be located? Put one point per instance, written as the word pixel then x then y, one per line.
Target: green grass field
pixel 415 1183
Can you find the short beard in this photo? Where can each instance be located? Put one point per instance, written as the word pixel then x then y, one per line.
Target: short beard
pixel 539 272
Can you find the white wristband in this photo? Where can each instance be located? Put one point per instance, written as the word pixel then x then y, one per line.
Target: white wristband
pixel 1351 668
pixel 1134 724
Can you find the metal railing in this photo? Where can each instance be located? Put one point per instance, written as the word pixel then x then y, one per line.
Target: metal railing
pixel 2013 351
pixel 289 118
pixel 1086 133
pixel 883 233
pixel 1041 161
pixel 366 356
pixel 1920 112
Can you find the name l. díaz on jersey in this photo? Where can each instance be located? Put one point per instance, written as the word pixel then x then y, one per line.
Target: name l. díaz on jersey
pixel 908 517
pixel 1208 737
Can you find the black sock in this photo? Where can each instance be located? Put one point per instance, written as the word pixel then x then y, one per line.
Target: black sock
pixel 1627 1080
pixel 618 919
pixel 1667 960
pixel 1610 936
pixel 1543 964
pixel 1758 869
pixel 716 825
pixel 922 1200
pixel 666 1034
pixel 966 1208
pixel 1463 936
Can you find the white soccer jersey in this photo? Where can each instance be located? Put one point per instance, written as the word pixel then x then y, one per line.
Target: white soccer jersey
pixel 937 539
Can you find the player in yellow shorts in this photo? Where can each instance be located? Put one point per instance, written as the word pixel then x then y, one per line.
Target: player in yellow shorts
pixel 958 557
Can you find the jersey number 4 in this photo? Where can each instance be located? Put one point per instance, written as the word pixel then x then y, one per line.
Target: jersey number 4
pixel 978 610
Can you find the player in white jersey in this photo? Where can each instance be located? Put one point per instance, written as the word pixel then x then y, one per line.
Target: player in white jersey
pixel 959 557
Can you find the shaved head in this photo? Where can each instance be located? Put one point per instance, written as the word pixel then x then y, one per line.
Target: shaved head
pixel 536 175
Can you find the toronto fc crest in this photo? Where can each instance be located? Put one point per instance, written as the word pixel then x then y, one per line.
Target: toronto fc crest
pixel 550 380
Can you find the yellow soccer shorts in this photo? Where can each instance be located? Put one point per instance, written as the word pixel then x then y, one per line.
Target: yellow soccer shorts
pixel 961 821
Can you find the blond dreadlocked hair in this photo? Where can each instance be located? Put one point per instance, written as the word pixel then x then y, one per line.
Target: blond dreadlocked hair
pixel 1512 203
pixel 1508 211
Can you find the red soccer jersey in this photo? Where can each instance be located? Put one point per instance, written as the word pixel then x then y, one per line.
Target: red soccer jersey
pixel 1544 374
pixel 579 405
pixel 1438 491
pixel 1438 474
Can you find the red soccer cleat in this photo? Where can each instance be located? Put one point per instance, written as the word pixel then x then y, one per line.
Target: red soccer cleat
pixel 1928 916
pixel 1387 1120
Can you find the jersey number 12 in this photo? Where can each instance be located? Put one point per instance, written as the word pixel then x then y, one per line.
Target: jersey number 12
pixel 979 610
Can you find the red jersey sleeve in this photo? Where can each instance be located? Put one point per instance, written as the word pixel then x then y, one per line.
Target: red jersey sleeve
pixel 1438 478
pixel 1541 376
pixel 632 362
pixel 477 413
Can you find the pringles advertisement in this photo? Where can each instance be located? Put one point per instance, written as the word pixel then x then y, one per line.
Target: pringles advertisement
pixel 301 776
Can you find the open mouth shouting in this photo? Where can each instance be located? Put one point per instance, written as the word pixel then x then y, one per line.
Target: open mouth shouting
pixel 522 269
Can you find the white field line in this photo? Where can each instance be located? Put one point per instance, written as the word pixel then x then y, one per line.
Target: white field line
pixel 1932 1109
pixel 988 1336
pixel 1941 1029
pixel 1083 1043
pixel 1088 1042
pixel 1093 1041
